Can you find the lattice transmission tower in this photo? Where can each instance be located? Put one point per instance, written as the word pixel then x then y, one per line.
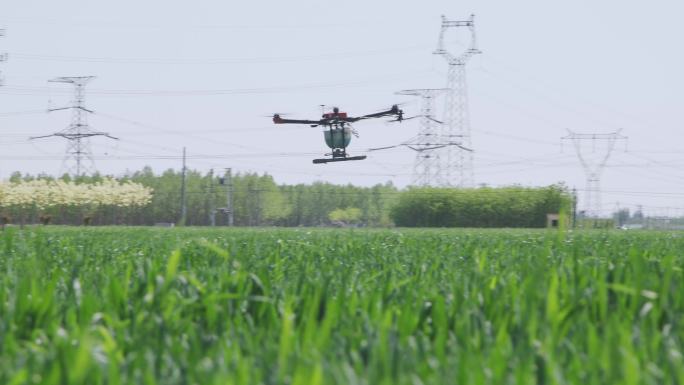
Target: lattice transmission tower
pixel 457 161
pixel 78 159
pixel 427 167
pixel 593 159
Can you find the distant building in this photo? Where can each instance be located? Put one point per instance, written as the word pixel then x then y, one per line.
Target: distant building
pixel 552 220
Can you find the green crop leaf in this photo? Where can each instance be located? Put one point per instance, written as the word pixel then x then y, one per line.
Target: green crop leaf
pixel 172 265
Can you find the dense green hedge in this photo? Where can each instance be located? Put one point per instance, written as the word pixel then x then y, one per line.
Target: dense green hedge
pixel 478 207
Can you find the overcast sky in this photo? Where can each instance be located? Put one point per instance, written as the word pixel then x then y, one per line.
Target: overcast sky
pixel 207 75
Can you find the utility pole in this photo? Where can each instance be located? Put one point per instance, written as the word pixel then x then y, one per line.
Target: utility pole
pixel 229 196
pixel 211 209
pixel 574 207
pixel 458 160
pixel 183 215
pixel 78 132
pixel 257 192
pixel 227 181
pixel 593 163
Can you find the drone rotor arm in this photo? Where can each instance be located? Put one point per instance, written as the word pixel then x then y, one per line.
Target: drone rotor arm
pixel 393 111
pixel 278 120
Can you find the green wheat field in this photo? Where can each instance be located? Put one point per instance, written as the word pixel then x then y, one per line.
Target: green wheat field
pixel 323 306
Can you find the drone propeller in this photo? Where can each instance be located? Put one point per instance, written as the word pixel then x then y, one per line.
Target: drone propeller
pixel 409 118
pixel 393 106
pixel 401 104
pixel 418 116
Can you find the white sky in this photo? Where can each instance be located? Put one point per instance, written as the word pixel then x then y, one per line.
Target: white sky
pixel 206 76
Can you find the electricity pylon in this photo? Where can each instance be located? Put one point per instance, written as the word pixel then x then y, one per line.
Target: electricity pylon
pixel 593 165
pixel 78 159
pixel 458 162
pixel 427 168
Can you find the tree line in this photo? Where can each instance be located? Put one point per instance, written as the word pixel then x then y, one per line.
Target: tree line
pixel 480 207
pixel 257 200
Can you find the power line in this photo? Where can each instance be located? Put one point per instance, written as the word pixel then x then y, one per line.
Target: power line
pixel 167 157
pixel 31 90
pixel 557 90
pixel 237 60
pixel 515 137
pixel 554 103
pixel 25 112
pixel 485 191
pixel 147 25
pixel 174 132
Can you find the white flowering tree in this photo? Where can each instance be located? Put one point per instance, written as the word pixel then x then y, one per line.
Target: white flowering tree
pixel 41 194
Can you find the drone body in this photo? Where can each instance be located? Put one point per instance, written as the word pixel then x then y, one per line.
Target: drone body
pixel 338 131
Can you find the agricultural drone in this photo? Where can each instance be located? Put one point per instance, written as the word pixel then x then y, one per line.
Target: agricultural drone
pixel 339 131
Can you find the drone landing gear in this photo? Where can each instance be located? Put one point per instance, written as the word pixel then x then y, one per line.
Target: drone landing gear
pixel 339 154
pixel 339 159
